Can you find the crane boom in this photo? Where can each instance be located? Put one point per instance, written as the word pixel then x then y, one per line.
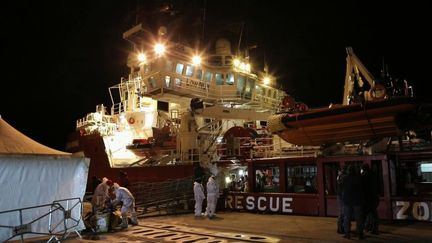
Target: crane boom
pixel 354 72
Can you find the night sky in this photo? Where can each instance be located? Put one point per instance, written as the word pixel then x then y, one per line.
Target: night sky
pixel 60 57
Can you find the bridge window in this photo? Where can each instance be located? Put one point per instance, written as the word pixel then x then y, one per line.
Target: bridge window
pixel 208 76
pixel 230 78
pixel 250 84
pixel 302 179
pixel 199 74
pixel 267 178
pixel 179 68
pixel 219 77
pixel 259 90
pixel 152 82
pixel 167 81
pixel 241 82
pixel 189 70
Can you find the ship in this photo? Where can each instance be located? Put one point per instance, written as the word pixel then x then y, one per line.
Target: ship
pixel 179 106
pixel 185 112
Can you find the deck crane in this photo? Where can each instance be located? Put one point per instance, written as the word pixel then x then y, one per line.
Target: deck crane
pixel 356 73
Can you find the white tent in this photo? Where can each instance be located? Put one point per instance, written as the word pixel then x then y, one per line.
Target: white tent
pixel 31 175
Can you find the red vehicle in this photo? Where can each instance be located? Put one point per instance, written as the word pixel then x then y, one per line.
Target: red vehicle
pixel 307 185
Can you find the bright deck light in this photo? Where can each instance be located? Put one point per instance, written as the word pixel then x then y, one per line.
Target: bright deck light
pixel 236 62
pixel 266 80
pixel 142 57
pixel 196 60
pixel 159 49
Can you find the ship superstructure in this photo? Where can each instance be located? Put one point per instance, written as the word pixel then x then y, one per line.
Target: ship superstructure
pixel 177 103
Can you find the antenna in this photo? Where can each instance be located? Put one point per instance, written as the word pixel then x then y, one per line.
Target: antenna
pixel 240 38
pixel 137 11
pixel 265 63
pixel 203 20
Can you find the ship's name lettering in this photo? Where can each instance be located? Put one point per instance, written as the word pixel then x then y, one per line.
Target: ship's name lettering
pixel 196 84
pixel 260 203
pixel 413 210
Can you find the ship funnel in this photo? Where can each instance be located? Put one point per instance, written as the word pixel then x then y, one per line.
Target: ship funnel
pixel 223 47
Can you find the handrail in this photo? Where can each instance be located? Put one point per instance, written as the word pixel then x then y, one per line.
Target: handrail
pixel 57 211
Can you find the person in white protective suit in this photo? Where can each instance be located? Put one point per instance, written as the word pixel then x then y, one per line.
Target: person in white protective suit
pixel 212 196
pixel 199 197
pixel 101 196
pixel 125 196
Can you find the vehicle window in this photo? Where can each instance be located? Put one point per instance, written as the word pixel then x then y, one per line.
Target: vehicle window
pixel 267 178
pixel 302 179
pixel 414 178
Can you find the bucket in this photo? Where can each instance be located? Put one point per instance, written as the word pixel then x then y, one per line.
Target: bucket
pixel 102 222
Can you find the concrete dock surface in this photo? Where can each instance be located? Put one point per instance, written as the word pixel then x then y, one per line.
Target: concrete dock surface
pixel 252 227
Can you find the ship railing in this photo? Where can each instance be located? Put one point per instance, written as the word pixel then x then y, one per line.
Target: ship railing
pixel 188 157
pixel 210 134
pixel 120 107
pixel 297 151
pixel 54 221
pixel 170 81
pixel 103 124
pixel 265 101
pixel 263 147
pixel 197 87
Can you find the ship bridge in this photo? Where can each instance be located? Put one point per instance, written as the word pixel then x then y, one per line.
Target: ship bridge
pixel 172 72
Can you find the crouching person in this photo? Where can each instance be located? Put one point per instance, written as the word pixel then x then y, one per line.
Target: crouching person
pixel 124 196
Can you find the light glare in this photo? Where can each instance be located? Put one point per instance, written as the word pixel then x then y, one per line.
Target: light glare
pixel 159 49
pixel 196 60
pixel 142 57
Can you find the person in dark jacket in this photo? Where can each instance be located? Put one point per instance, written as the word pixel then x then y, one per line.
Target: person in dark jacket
pixel 352 197
pixel 339 183
pixel 371 196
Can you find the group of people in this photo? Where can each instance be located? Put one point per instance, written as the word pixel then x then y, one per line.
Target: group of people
pixel 240 185
pixel 358 198
pixel 108 195
pixel 212 196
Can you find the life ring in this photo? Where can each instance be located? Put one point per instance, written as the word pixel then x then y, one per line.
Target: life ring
pixel 288 102
pixel 301 107
pixel 131 120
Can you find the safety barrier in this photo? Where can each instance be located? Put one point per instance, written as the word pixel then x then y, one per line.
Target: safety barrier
pixel 56 220
pixel 166 197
